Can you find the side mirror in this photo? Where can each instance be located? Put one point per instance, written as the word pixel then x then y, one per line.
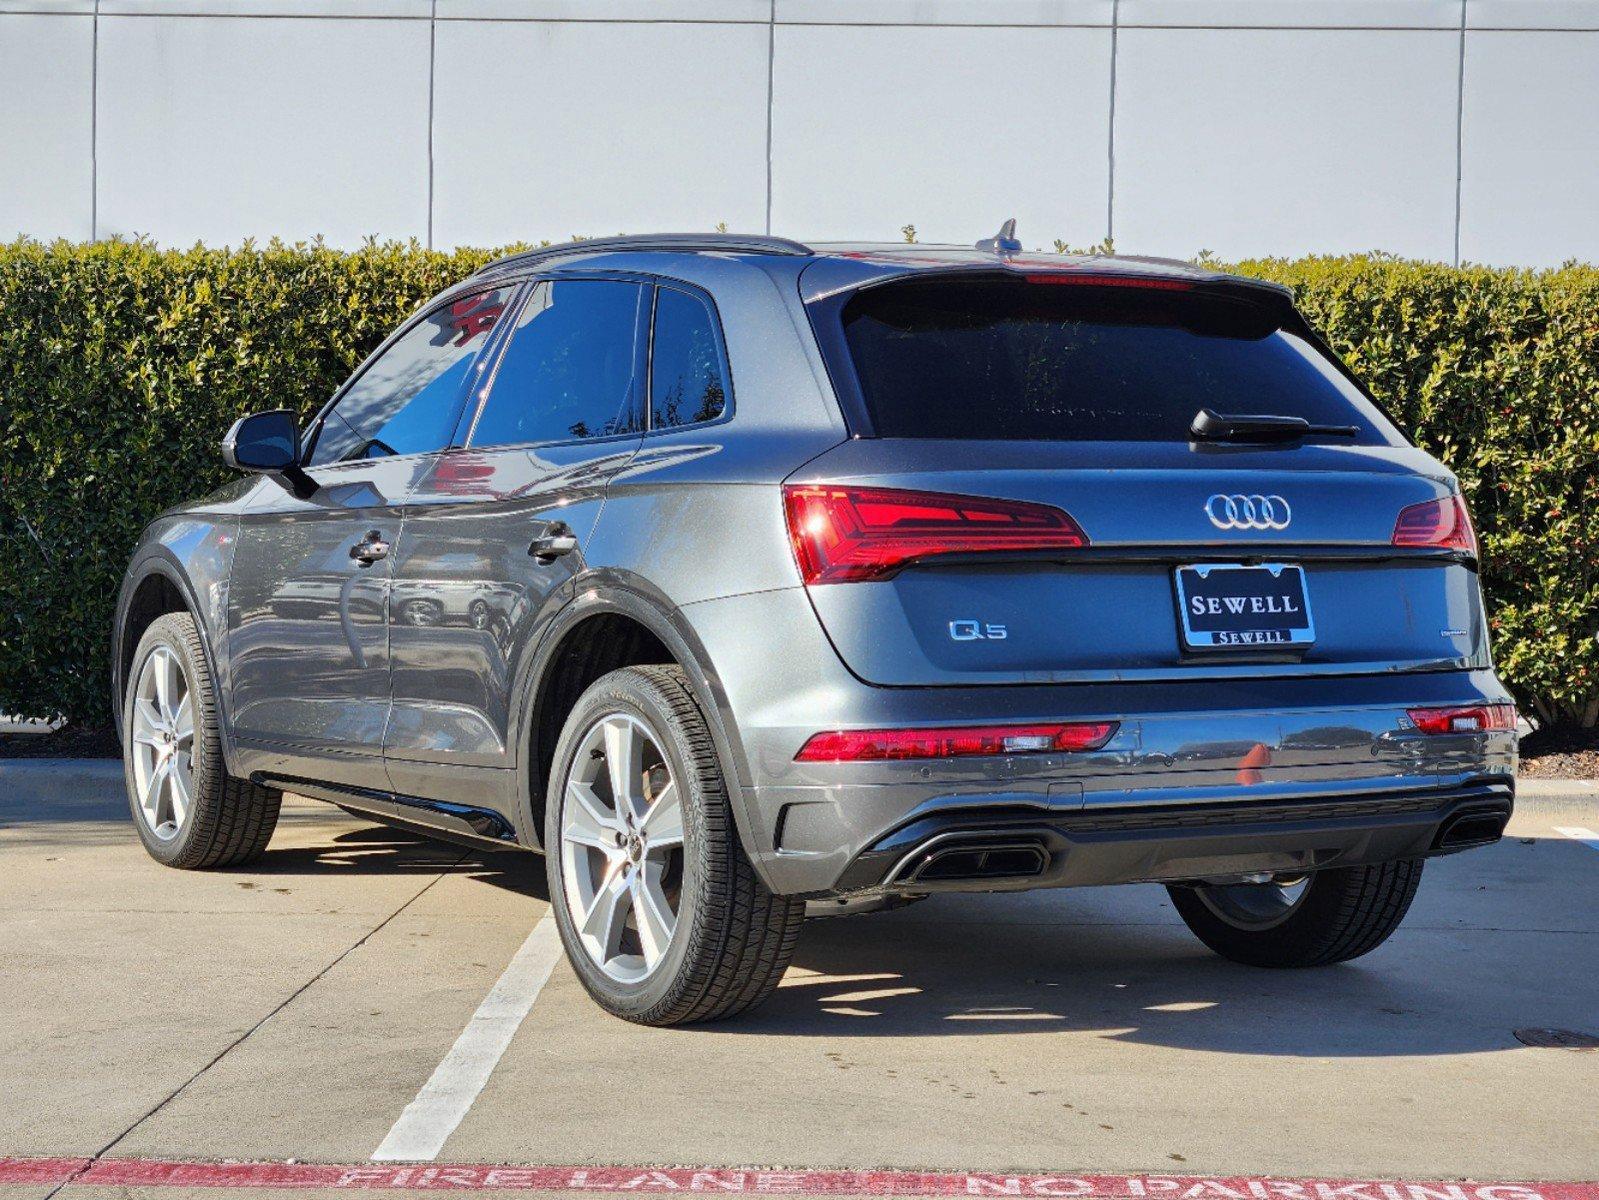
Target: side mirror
pixel 267 442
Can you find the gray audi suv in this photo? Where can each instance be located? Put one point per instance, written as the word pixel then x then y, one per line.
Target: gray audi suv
pixel 735 574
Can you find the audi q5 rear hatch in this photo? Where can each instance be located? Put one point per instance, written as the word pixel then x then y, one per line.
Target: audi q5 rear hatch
pixel 1029 498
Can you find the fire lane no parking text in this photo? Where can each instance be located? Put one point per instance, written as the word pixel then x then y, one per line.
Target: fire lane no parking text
pixel 156 1173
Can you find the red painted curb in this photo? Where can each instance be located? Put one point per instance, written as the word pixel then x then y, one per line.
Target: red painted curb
pixel 40 1170
pixel 138 1172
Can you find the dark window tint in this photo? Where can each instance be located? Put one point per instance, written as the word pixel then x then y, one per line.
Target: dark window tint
pixel 569 370
pixel 1002 359
pixel 688 379
pixel 407 402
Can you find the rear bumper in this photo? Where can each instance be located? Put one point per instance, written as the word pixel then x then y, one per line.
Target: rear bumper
pixel 1019 848
pixel 1335 745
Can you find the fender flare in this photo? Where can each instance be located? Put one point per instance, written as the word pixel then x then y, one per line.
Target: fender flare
pixel 159 560
pixel 629 595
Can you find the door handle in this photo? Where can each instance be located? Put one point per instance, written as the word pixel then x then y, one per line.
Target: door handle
pixel 558 541
pixel 369 549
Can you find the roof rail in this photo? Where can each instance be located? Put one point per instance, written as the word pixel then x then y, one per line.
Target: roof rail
pixel 688 242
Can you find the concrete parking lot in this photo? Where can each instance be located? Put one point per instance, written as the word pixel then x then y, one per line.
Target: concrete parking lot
pixel 293 1011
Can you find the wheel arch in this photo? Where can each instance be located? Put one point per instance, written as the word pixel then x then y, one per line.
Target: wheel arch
pixel 155 585
pixel 620 605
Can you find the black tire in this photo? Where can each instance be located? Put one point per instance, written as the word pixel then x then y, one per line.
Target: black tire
pixel 734 938
pixel 1343 913
pixel 230 821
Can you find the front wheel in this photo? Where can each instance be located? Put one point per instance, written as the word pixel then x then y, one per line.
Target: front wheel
pixel 658 907
pixel 1325 917
pixel 189 811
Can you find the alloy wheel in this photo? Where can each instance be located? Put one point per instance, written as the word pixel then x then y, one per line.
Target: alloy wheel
pixel 163 744
pixel 1256 905
pixel 622 847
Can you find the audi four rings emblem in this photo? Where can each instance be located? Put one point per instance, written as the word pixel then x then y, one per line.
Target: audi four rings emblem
pixel 1248 512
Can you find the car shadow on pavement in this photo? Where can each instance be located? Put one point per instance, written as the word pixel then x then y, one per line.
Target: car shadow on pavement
pixel 312 838
pixel 382 850
pixel 1473 962
pixel 1499 939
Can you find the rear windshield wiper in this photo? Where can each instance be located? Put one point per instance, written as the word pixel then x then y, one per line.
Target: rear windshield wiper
pixel 1212 426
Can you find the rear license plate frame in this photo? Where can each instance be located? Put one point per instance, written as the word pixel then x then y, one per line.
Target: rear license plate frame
pixel 1276 634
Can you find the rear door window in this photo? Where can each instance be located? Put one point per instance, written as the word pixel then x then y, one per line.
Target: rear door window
pixel 1006 359
pixel 688 373
pixel 408 400
pixel 570 370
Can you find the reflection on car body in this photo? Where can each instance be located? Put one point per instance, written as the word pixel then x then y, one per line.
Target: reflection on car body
pixel 734 573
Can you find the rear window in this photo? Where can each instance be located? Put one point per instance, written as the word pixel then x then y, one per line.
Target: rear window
pixel 1010 359
pixel 688 378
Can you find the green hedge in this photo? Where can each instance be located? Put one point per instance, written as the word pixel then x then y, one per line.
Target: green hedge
pixel 1496 372
pixel 121 365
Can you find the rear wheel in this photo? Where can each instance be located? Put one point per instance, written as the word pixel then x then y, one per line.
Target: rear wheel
pixel 189 811
pixel 1309 921
pixel 658 907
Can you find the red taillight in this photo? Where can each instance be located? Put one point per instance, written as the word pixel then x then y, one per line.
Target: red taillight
pixel 1471 718
pixel 878 745
pixel 845 534
pixel 1124 281
pixel 1441 523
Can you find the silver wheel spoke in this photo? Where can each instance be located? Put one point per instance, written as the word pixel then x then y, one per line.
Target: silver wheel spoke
pixel 153 788
pixel 183 719
pixel 147 723
pixel 162 661
pixel 624 753
pixel 607 915
pixel 177 791
pixel 663 823
pixel 652 912
pixel 587 823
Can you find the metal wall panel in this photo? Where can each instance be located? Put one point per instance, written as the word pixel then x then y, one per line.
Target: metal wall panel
pixel 1529 185
pixel 46 125
pixel 1421 127
pixel 1254 142
pixel 549 129
pixel 218 129
pixel 874 128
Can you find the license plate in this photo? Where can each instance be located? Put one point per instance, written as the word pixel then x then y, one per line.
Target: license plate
pixel 1231 606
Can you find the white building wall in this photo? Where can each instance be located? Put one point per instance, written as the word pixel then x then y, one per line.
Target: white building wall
pixel 1442 129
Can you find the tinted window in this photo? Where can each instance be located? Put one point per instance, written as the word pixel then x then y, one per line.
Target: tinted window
pixel 1002 359
pixel 408 400
pixel 569 370
pixel 688 379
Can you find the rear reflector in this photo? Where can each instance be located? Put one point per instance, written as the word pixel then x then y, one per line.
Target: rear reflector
pixel 1442 523
pixel 878 745
pixel 845 534
pixel 1473 718
pixel 1153 282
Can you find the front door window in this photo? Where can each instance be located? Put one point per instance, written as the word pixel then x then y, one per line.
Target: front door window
pixel 408 400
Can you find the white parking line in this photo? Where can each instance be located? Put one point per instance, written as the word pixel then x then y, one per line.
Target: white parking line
pixel 1577 833
pixel 447 1096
